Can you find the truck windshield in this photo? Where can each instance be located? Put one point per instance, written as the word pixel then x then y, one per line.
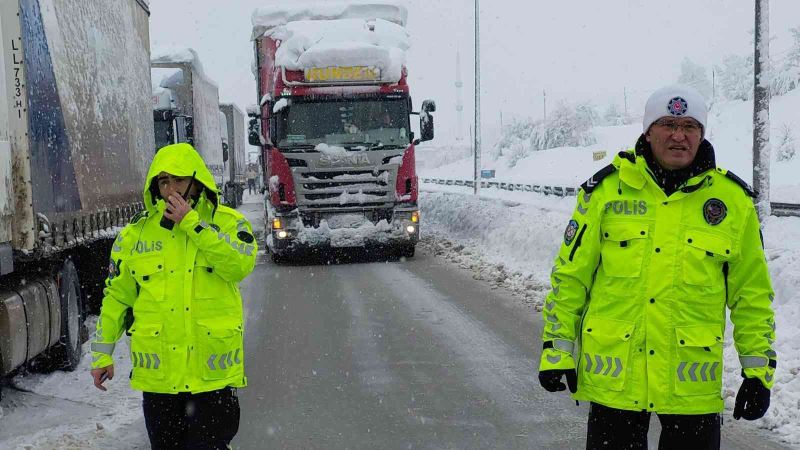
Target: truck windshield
pixel 379 122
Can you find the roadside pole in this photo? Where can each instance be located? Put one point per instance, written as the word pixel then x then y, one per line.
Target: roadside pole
pixel 477 143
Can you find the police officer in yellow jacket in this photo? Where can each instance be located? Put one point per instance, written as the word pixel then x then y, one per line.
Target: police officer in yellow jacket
pixel 661 241
pixel 177 266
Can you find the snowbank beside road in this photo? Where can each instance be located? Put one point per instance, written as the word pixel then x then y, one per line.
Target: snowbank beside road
pixel 518 243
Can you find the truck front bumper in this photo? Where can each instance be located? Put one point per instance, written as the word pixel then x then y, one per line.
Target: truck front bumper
pixel 289 234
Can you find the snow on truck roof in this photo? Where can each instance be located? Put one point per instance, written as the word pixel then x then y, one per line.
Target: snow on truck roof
pixel 274 16
pixel 177 56
pixel 320 36
pixel 165 78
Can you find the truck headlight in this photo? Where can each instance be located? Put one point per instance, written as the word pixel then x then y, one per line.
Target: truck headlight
pixel 282 234
pixel 411 229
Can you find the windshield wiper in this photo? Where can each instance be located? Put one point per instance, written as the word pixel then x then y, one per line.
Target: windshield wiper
pixel 382 146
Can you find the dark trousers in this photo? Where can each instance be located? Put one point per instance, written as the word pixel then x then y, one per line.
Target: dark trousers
pixel 208 420
pixel 611 428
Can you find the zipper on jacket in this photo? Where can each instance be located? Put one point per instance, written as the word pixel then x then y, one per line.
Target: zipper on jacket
pixel 577 243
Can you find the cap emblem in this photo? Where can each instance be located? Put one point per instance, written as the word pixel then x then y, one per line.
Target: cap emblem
pixel 677 106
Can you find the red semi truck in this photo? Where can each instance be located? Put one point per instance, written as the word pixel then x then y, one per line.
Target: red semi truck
pixel 334 128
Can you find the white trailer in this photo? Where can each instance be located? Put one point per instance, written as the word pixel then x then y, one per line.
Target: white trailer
pixel 236 162
pixel 75 139
pixel 196 99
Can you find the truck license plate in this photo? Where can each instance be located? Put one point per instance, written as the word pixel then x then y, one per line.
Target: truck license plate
pixel 345 220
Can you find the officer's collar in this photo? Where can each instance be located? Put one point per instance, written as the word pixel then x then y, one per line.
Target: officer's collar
pixel 673 180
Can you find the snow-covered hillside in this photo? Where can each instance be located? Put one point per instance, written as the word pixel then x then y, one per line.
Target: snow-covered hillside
pixel 730 130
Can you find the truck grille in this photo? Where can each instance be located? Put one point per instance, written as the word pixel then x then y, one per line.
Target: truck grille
pixel 345 188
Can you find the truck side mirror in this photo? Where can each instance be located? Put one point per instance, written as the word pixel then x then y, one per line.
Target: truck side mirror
pixel 224 152
pixel 429 106
pixel 254 132
pixel 425 126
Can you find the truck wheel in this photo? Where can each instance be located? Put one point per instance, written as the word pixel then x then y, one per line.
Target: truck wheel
pixel 407 250
pixel 67 353
pixel 276 258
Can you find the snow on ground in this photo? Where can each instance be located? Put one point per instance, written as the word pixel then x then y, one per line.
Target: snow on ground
pixel 65 410
pixel 511 238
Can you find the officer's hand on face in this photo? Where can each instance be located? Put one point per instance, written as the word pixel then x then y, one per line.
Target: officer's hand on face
pixel 177 208
pixel 102 374
pixel 752 400
pixel 551 380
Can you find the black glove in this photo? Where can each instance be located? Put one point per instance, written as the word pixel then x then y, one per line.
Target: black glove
pixel 752 400
pixel 551 380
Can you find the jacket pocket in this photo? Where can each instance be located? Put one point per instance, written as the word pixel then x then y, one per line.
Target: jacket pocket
pixel 221 350
pixel 146 352
pixel 698 366
pixel 606 352
pixel 207 284
pixel 149 274
pixel 623 248
pixel 704 256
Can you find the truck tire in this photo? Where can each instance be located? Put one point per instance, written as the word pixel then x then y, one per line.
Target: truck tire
pixel 277 259
pixel 407 250
pixel 66 354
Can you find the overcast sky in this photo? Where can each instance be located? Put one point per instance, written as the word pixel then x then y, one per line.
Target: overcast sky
pixel 574 50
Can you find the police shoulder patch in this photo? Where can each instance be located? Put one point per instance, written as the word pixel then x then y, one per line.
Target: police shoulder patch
pixel 113 269
pixel 750 191
pixel 570 232
pixel 589 185
pixel 714 211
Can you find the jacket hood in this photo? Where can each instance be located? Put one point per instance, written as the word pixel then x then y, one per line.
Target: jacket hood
pixel 179 160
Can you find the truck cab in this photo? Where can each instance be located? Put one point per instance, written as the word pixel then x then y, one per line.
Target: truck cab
pixel 170 126
pixel 336 133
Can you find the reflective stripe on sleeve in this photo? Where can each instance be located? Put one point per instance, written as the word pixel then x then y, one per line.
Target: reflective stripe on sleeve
pixel 108 349
pixel 563 345
pixel 749 362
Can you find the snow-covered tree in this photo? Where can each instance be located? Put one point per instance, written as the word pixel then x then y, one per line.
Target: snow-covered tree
pixel 696 76
pixel 736 77
pixel 566 126
pixel 787 146
pixel 586 115
pixel 792 62
pixel 614 117
pixel 782 79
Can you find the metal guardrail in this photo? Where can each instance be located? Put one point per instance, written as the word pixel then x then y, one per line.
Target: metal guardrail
pixel 778 209
pixel 785 209
pixel 559 191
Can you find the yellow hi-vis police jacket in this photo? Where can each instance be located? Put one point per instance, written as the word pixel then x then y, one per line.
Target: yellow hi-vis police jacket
pixel 640 286
pixel 182 286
